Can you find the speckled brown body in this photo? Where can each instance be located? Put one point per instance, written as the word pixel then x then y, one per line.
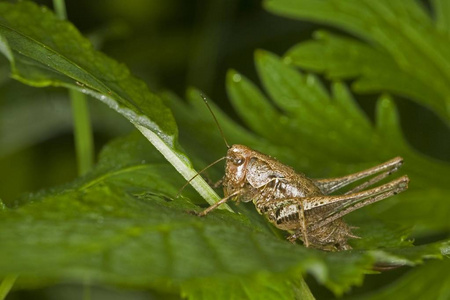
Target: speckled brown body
pixel 267 182
pixel 295 203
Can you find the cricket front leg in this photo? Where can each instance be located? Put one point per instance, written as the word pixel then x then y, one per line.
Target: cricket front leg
pixel 217 204
pixel 329 185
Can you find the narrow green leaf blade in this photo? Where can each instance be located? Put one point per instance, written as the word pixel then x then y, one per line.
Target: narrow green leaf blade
pixel 44 50
pixel 255 109
pixel 6 284
pixel 442 12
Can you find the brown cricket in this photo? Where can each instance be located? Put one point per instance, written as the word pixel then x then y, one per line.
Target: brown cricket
pixel 300 205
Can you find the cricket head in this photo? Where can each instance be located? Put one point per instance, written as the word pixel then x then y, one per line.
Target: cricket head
pixel 238 157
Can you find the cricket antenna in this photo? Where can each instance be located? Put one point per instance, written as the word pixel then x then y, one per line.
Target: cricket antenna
pixel 215 120
pixel 198 173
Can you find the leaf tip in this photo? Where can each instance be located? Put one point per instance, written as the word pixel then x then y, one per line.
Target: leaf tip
pixel 385 103
pixel 233 76
pixel 267 4
pixel 262 55
pixel 321 35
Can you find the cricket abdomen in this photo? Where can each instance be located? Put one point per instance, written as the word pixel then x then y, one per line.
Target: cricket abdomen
pixel 287 217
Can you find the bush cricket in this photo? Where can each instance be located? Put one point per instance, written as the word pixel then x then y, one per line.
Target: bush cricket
pixel 300 205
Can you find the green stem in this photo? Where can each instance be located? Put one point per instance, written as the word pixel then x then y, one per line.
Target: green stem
pixel 6 285
pixel 87 291
pixel 303 291
pixel 84 142
pixel 60 9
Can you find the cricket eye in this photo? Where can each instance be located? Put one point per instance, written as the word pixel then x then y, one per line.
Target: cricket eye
pixel 238 161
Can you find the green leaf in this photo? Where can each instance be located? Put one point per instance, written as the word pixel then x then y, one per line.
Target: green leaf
pixel 44 50
pixel 374 69
pixel 430 281
pixel 122 225
pixel 404 50
pixel 309 110
pixel 261 286
pixel 6 284
pixel 442 9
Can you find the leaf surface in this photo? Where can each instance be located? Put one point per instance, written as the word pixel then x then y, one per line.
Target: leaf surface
pixel 430 281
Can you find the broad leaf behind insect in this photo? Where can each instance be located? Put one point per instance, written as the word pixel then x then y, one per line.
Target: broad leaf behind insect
pixel 321 134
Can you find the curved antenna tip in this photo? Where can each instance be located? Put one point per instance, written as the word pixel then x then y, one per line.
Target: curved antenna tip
pixel 215 120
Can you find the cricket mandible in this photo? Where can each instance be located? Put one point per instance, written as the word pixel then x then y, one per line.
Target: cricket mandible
pixel 295 203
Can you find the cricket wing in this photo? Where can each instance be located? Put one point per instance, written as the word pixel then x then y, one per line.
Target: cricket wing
pixel 259 173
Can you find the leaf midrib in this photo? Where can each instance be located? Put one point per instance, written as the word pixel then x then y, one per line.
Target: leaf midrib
pixel 108 91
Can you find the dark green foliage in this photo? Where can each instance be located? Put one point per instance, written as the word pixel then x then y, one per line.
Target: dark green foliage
pixel 406 50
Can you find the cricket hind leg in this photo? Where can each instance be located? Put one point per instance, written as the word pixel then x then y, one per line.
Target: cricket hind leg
pixel 329 185
pixel 352 202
